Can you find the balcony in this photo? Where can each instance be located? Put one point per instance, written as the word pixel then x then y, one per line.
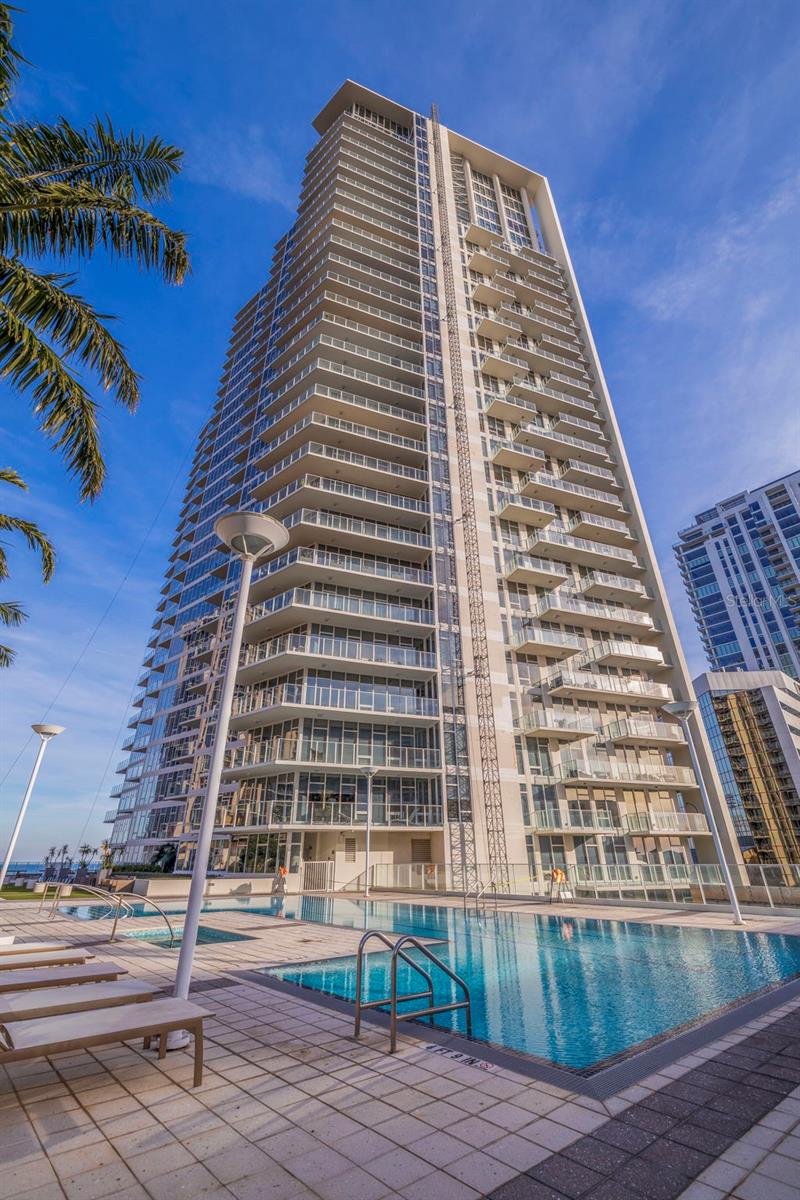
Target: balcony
pixel 304 564
pixel 620 773
pixel 590 525
pixel 600 585
pixel 280 753
pixel 553 543
pixel 524 568
pixel 589 473
pixel 299 604
pixel 345 435
pixel 644 733
pixel 372 537
pixel 513 507
pixel 502 366
pixel 625 654
pixel 555 723
pixel 320 490
pixel 260 705
pixel 506 453
pixel 348 466
pixel 578 821
pixel 567 607
pixel 294 651
pixel 666 823
pixel 345 405
pixel 324 814
pixel 587 685
pixel 548 486
pixel 550 642
pixel 537 432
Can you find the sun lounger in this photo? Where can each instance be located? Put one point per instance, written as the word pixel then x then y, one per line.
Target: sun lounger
pixel 48 958
pixel 30 947
pixel 29 978
pixel 53 1002
pixel 79 1031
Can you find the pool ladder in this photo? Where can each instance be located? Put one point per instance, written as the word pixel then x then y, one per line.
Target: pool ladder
pixel 479 892
pixel 116 902
pixel 393 999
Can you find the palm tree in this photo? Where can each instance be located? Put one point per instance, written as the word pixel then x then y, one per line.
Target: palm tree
pixel 107 854
pixel 85 851
pixel 65 193
pixel 11 612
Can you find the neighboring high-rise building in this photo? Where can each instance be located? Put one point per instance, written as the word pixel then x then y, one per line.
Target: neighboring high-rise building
pixel 740 563
pixel 753 723
pixel 469 602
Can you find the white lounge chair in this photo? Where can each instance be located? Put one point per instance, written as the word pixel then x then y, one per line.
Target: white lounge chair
pixel 28 978
pixel 48 958
pixel 78 1031
pixel 13 947
pixel 54 1001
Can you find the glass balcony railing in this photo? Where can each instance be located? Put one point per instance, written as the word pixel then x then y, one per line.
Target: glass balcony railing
pixel 559 722
pixel 347 813
pixel 352 563
pixel 621 685
pixel 355 525
pixel 346 649
pixel 335 602
pixel 581 820
pixel 307 751
pixel 613 771
pixel 338 487
pixel 665 821
pixel 351 698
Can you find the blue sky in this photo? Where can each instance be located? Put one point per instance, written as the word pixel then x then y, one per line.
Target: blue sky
pixel 669 133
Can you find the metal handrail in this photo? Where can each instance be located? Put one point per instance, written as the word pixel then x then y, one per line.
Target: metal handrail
pixel 116 902
pixel 157 907
pixel 392 1000
pixel 376 933
pixel 479 890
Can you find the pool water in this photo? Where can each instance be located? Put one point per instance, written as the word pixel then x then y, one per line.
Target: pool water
pixel 573 991
pixel 205 936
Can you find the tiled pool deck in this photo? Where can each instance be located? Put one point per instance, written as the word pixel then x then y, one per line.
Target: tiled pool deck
pixel 293 1107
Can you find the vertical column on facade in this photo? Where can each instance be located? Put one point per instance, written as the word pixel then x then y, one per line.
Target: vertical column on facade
pixel 501 209
pixel 470 193
pixel 532 231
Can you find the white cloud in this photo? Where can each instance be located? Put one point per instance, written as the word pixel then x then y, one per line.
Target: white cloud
pixel 240 160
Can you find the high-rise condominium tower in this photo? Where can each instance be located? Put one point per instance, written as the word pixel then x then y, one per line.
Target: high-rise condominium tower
pixel 753 723
pixel 469 602
pixel 740 562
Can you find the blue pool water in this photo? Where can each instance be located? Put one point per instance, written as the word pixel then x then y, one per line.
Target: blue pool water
pixel 574 991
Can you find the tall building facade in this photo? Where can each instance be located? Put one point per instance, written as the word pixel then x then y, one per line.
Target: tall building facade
pixel 753 723
pixel 469 603
pixel 740 562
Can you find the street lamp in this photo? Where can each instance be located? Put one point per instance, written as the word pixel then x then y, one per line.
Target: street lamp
pixel 250 536
pixel 370 773
pixel 683 710
pixel 46 734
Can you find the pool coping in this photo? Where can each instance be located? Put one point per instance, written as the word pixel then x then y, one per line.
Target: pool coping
pixel 603 1082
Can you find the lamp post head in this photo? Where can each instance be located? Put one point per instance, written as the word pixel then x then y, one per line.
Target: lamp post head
pixel 680 708
pixel 370 772
pixel 250 534
pixel 46 732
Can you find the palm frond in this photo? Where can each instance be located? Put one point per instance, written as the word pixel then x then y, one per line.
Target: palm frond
pixel 126 163
pixel 10 57
pixel 76 218
pixel 11 612
pixel 46 304
pixel 36 541
pixel 66 412
pixel 8 475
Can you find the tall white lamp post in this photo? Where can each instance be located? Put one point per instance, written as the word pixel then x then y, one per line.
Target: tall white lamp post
pixel 370 773
pixel 683 710
pixel 250 536
pixel 46 734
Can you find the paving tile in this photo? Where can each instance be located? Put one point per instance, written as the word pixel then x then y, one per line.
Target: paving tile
pixel 236 1161
pixel 761 1187
pixel 440 1187
pixel 600 1156
pixel 481 1171
pixel 653 1181
pixel 440 1148
pixel 183 1184
pixel 624 1136
pixel 776 1166
pixel 399 1167
pixel 518 1152
pixel 678 1157
pixel 563 1174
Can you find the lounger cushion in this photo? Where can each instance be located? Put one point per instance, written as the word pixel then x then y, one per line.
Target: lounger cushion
pixel 55 958
pixel 74 1031
pixel 50 1002
pixel 91 972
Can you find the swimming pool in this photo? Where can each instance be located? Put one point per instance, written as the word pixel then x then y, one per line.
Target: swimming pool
pixel 573 991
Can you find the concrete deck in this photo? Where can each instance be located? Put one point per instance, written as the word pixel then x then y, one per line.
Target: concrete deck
pixel 293 1107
